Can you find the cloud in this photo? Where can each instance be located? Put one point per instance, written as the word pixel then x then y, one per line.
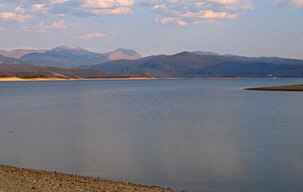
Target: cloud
pixel 89 36
pixel 184 13
pixel 178 12
pixel 58 1
pixel 225 2
pixel 2 29
pixel 39 8
pixel 108 7
pixel 18 15
pixel 209 14
pixel 116 11
pixel 55 26
pixel 288 3
pixel 107 4
pixel 174 20
pixel 64 7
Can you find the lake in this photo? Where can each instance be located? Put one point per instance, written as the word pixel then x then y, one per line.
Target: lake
pixel 192 135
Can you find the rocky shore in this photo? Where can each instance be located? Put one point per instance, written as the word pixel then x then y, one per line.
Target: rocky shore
pixel 26 180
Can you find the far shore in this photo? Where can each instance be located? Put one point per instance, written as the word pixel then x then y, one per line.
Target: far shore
pixel 17 79
pixel 24 180
pixel 278 88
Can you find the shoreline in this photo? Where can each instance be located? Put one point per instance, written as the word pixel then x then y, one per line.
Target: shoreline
pixel 17 79
pixel 21 179
pixel 293 88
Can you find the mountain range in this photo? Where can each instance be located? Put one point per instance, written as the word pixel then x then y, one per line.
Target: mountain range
pixel 65 57
pixel 126 62
pixel 197 65
pixel 60 62
pixel 17 53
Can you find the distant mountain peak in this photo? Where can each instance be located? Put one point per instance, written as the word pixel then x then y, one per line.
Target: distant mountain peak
pixel 125 50
pixel 122 53
pixel 121 49
pixel 61 48
pixel 205 53
pixel 79 49
pixel 184 53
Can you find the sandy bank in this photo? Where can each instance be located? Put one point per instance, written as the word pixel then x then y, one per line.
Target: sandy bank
pixel 25 180
pixel 16 79
pixel 13 79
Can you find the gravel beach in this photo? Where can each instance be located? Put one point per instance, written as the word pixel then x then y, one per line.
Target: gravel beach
pixel 24 180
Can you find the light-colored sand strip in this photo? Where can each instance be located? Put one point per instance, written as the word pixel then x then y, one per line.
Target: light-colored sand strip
pixel 117 79
pixel 11 79
pixel 16 79
pixel 25 180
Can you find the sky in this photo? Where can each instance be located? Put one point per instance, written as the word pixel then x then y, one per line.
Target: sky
pixel 242 27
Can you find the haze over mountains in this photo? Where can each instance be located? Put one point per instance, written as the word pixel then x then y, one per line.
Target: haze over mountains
pixel 197 64
pixel 17 53
pixel 66 57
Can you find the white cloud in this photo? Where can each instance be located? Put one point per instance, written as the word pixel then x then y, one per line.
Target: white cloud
pixel 58 1
pixel 225 2
pixel 209 22
pixel 289 3
pixel 209 14
pixel 2 29
pixel 89 36
pixel 108 7
pixel 193 12
pixel 116 11
pixel 107 4
pixel 39 8
pixel 18 15
pixel 174 20
pixel 64 7
pixel 55 26
pixel 179 12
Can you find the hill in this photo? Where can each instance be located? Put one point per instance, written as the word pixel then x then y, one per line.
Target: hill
pixel 193 65
pixel 30 71
pixel 5 60
pixel 17 53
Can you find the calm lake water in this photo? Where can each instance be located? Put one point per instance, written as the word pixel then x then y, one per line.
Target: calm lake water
pixel 193 135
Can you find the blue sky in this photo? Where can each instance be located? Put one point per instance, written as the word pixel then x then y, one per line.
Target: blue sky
pixel 244 27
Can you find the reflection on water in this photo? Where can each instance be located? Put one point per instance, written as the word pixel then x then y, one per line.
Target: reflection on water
pixel 196 135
